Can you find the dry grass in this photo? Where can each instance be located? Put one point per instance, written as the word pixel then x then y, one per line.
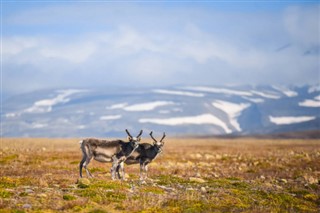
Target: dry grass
pixel 194 175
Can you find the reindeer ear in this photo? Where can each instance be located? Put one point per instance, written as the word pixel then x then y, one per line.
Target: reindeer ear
pixel 129 138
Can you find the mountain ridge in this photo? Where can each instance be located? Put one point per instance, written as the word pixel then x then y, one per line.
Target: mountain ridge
pixel 178 110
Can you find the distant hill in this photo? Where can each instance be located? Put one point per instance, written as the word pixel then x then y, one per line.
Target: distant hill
pixel 309 134
pixel 180 110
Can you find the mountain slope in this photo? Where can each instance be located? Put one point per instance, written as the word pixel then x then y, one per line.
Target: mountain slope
pixel 184 110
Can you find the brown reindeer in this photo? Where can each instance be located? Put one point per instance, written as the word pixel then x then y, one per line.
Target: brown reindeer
pixel 115 151
pixel 143 155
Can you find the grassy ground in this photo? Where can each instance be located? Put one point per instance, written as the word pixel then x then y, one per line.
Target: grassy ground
pixel 195 175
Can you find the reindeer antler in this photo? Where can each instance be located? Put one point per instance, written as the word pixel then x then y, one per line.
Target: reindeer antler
pixel 129 133
pixel 153 137
pixel 140 133
pixel 164 135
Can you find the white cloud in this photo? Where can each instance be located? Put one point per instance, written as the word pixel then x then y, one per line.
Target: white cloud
pixel 15 45
pixel 144 44
pixel 302 23
pixel 74 53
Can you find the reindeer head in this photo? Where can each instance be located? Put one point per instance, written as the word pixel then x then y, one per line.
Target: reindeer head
pixel 160 143
pixel 134 140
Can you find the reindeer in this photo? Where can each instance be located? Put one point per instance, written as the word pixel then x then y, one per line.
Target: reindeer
pixel 115 151
pixel 143 155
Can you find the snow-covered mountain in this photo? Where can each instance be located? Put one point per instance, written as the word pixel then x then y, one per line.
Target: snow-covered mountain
pixel 180 110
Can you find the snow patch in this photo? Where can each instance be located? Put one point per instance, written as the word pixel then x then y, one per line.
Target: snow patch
pixel 315 88
pixel 147 106
pixel 286 91
pixel 233 111
pixel 265 95
pixel 164 111
pixel 117 106
pixel 219 90
pixel 46 105
pixel 254 100
pixel 310 103
pixel 290 120
pixel 174 92
pixel 110 117
pixel 196 120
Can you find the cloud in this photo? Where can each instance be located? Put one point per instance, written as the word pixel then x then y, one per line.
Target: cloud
pixel 302 24
pixel 115 44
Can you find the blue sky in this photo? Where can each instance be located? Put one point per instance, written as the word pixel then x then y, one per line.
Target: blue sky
pixel 49 44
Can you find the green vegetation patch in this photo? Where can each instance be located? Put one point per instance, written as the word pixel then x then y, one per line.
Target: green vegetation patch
pixel 96 169
pixel 168 179
pixel 281 201
pixel 9 182
pixel 98 211
pixel 83 183
pixel 23 194
pixel 114 185
pixel 152 189
pixel 5 194
pixel 236 195
pixel 74 162
pixel 8 158
pixel 175 205
pixel 101 195
pixel 228 183
pixel 68 197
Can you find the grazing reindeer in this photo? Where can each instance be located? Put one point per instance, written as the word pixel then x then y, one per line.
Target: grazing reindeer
pixel 115 151
pixel 143 155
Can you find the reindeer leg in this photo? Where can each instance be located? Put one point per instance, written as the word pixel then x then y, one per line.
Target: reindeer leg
pixel 115 164
pixel 123 172
pixel 118 171
pixel 121 167
pixel 146 171
pixel 111 171
pixel 141 171
pixel 81 165
pixel 86 165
